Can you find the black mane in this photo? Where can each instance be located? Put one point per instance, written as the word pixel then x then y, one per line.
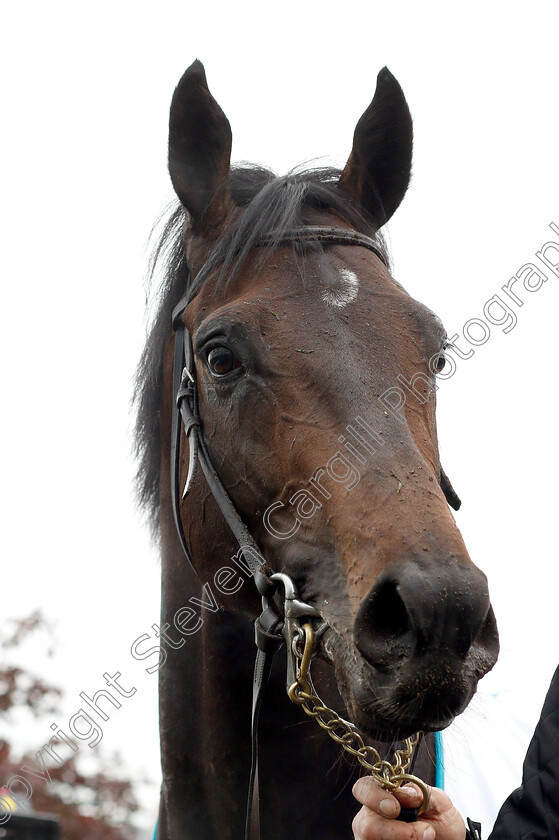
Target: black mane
pixel 272 206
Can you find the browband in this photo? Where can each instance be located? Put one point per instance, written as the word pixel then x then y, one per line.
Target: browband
pixel 331 235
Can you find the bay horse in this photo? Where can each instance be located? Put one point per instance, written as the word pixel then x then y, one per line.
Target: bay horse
pixel 301 344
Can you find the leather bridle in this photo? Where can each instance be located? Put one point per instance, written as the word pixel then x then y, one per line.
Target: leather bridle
pixel 185 399
pixel 273 625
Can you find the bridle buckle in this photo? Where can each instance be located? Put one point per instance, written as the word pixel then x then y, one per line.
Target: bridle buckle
pixel 294 609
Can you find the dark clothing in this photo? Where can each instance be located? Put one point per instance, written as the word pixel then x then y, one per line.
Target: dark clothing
pixel 532 811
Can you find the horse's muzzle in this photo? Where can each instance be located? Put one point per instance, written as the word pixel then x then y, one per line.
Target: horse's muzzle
pixel 428 634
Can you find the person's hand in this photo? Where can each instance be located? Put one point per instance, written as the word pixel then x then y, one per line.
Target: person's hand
pixel 376 819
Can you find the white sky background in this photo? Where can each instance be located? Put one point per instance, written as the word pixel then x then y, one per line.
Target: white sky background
pixel 86 96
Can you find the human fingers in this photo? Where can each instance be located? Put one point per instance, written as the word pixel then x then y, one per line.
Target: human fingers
pixel 369 793
pixel 370 825
pixel 411 796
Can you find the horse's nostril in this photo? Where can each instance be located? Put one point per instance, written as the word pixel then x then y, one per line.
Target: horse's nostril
pixel 383 632
pixel 388 614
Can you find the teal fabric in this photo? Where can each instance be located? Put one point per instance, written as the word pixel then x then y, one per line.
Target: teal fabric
pixel 439 761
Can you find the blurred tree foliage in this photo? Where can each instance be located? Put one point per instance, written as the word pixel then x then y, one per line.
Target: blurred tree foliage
pixel 90 805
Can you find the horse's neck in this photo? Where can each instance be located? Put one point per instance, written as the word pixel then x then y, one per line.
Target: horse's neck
pixel 205 701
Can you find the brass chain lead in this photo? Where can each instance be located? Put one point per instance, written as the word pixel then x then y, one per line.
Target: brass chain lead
pixel 389 775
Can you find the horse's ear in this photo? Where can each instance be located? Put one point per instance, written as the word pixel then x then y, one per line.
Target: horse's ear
pixel 199 150
pixel 378 171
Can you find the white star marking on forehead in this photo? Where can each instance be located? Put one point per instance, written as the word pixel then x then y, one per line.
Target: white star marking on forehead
pixel 346 291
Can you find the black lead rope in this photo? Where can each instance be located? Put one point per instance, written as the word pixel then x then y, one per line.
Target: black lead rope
pixel 409 815
pixel 262 670
pixel 268 642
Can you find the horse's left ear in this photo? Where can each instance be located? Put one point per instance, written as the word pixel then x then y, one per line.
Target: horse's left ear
pixel 199 150
pixel 378 171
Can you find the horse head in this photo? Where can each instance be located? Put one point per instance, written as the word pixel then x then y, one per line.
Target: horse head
pixel 316 380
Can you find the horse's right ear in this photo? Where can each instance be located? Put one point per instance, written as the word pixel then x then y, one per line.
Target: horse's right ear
pixel 199 150
pixel 378 170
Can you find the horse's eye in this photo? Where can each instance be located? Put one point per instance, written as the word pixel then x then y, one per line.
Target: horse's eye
pixel 440 363
pixel 221 361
